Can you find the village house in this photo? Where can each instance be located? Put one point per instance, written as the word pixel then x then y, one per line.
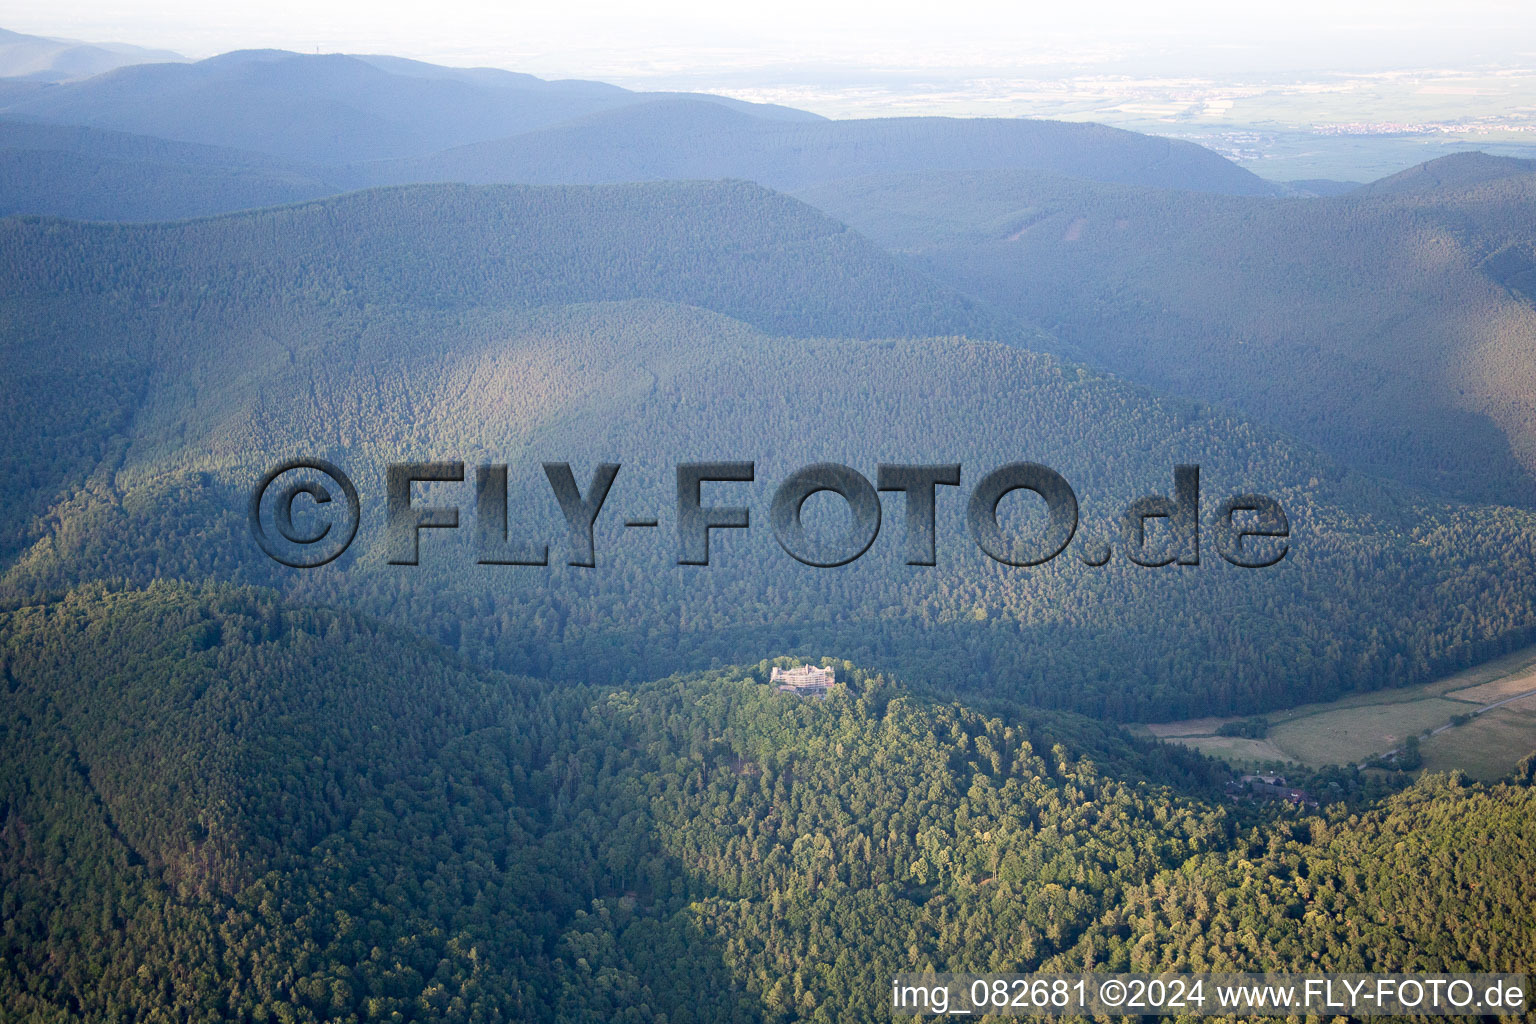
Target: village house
pixel 1272 787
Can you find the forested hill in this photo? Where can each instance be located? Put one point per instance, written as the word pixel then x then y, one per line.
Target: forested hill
pixel 732 247
pixel 479 786
pixel 80 140
pixel 95 174
pixel 1456 171
pixel 98 314
pixel 1402 323
pixel 221 807
pixel 260 128
pixel 165 368
pixel 39 59
pixel 101 174
pixel 335 108
pixel 686 138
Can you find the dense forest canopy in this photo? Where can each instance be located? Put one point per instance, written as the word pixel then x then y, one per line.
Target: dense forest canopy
pixel 366 330
pixel 237 791
pixel 357 826
pixel 1400 318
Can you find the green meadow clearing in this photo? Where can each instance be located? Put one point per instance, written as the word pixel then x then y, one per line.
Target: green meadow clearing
pixel 1486 746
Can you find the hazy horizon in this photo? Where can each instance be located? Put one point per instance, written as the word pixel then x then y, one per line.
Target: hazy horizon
pixel 683 37
pixel 1396 83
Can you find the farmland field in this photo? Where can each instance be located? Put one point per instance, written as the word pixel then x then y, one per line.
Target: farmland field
pixel 1361 725
pixel 1483 747
pixel 1349 734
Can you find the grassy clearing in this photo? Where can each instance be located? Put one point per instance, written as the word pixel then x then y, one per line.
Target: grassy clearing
pixel 1192 727
pixel 1235 750
pixel 1498 689
pixel 1349 734
pixel 1488 746
pixel 1358 726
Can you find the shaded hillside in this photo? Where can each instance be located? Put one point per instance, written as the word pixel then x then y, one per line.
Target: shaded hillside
pixel 106 144
pixel 90 164
pixel 219 305
pixel 90 174
pixel 689 139
pixel 732 247
pixel 226 808
pixel 1402 326
pixel 493 324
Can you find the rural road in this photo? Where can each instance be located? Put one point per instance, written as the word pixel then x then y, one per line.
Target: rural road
pixel 1471 714
pixel 1485 707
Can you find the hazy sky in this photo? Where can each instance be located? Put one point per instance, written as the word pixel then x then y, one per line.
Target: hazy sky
pixel 686 39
